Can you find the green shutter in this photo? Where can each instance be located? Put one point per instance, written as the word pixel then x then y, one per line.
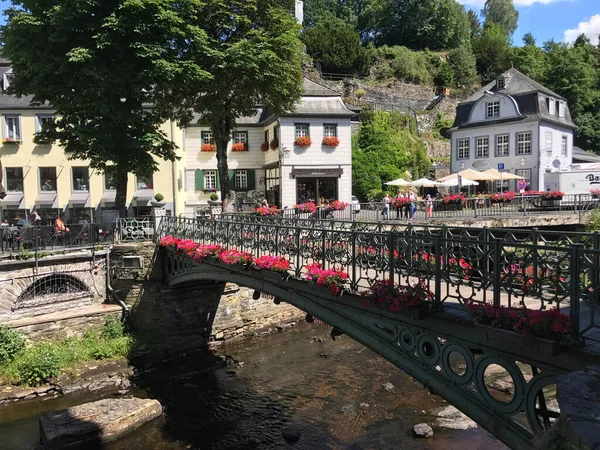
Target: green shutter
pixel 251 179
pixel 199 178
pixel 231 174
pixel 218 180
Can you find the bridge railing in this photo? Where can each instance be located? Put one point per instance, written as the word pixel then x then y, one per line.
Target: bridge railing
pixel 528 205
pixel 458 270
pixel 135 229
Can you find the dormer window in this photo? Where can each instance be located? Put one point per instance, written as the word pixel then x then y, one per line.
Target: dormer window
pixel 7 79
pixel 551 106
pixel 561 109
pixel 500 83
pixel 493 109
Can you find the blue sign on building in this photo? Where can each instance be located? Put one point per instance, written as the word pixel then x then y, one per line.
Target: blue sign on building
pixel 500 166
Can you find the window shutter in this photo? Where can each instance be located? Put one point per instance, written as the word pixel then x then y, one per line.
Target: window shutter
pixel 218 179
pixel 251 179
pixel 199 179
pixel 231 174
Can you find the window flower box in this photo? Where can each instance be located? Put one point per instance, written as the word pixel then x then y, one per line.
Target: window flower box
pixel 337 205
pixel 411 301
pixel 11 141
pixel 308 207
pixel 208 148
pixel 332 141
pixel 303 141
pixel 333 279
pixel 239 147
pixel 264 147
pixel 274 144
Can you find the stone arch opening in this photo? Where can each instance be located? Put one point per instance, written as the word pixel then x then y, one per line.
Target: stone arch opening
pixel 50 288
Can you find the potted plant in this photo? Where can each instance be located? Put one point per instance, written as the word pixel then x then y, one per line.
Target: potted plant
pixel 264 147
pixel 214 199
pixel 332 141
pixel 407 300
pixel 274 144
pixel 211 148
pixel 303 141
pixel 334 279
pixel 158 200
pixel 239 147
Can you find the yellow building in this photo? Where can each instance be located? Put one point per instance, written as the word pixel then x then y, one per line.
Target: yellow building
pixel 41 178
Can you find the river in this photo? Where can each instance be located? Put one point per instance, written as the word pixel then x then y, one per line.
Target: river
pixel 331 392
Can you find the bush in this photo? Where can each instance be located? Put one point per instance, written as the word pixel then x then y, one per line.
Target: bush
pixel 445 76
pixel 39 365
pixel 214 197
pixel 11 344
pixel 360 93
pixel 113 328
pixel 594 220
pixel 159 197
pixel 441 126
pixel 405 64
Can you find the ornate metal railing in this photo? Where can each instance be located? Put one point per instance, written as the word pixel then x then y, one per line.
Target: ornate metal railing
pixel 457 269
pixel 135 229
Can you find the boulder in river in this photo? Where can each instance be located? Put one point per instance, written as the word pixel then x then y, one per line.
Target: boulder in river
pixel 291 433
pixel 423 430
pixel 92 424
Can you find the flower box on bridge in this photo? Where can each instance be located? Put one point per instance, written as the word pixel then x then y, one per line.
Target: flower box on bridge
pixel 540 346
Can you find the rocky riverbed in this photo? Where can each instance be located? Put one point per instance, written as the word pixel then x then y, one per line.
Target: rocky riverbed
pixel 294 385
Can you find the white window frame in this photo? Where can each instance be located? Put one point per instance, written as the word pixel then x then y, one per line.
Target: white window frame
pixel 41 182
pixel 16 120
pixel 561 108
pixel 463 151
pixel 6 183
pixel 524 143
pixel 207 137
pixel 240 137
pixel 548 143
pixel 482 147
pixel 492 109
pixel 301 130
pixel 329 130
pixel 500 83
pixel 73 179
pixel 522 173
pixel 551 106
pixel 241 180
pixel 40 119
pixel 210 179
pixel 564 145
pixel 502 145
pixel 7 79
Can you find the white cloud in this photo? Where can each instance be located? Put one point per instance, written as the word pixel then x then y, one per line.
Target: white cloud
pixel 480 3
pixel 591 28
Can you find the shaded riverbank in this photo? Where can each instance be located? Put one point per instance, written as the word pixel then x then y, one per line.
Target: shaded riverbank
pixel 331 392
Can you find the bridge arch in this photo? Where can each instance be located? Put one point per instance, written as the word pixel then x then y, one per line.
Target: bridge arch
pixel 420 348
pixel 54 283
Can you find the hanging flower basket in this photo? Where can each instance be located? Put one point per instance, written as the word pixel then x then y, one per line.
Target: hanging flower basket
pixel 303 141
pixel 274 144
pixel 208 148
pixel 239 147
pixel 264 147
pixel 332 141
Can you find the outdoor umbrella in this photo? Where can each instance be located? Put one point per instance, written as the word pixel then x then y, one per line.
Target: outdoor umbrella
pixel 397 182
pixel 423 182
pixel 464 182
pixel 502 175
pixel 471 175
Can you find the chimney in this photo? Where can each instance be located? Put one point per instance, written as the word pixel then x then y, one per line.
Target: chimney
pixel 300 11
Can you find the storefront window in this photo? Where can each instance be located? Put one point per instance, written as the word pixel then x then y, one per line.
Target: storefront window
pixel 315 189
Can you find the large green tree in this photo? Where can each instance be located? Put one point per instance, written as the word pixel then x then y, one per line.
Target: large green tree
pixel 502 13
pixel 419 24
pixel 254 55
pixel 530 59
pixel 462 60
pixel 492 51
pixel 100 65
pixel 336 47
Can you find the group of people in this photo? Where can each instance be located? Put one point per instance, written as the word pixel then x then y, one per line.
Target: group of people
pixel 409 207
pixel 35 220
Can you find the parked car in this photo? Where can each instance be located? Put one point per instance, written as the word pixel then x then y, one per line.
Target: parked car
pixel 355 205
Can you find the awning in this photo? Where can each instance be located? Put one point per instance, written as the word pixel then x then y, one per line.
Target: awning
pixel 13 199
pixel 46 200
pixel 316 172
pixel 108 198
pixel 143 196
pixel 80 199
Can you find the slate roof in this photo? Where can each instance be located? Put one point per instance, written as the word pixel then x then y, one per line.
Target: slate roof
pixel 312 89
pixel 333 106
pixel 529 95
pixel 582 156
pixel 14 102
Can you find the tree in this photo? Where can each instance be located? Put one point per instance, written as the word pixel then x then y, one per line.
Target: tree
pixel 529 40
pixel 336 46
pixel 100 65
pixel 419 24
pixel 462 60
pixel 473 19
pixel 502 13
pixel 445 76
pixel 492 52
pixel 254 55
pixel 530 59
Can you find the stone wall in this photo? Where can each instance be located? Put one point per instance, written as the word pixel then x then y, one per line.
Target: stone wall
pixel 55 283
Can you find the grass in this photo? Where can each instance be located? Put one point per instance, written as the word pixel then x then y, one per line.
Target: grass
pixel 67 353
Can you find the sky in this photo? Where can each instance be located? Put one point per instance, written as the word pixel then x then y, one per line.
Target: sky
pixel 561 20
